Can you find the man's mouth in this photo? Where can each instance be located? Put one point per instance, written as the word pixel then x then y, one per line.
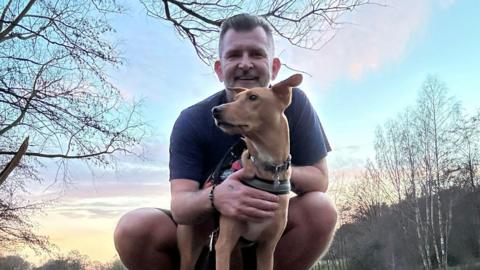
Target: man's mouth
pixel 246 78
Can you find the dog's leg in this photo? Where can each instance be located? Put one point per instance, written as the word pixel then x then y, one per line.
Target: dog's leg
pixel 269 239
pixel 230 232
pixel 265 253
pixel 190 244
pixel 236 260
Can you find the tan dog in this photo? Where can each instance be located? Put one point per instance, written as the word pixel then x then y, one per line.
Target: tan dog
pixel 258 115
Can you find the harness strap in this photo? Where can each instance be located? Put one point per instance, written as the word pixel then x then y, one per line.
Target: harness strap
pixel 223 169
pixel 269 186
pixel 233 154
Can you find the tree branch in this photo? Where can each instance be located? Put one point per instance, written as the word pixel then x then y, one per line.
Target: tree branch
pixel 295 21
pixel 4 13
pixel 24 110
pixel 194 14
pixel 7 30
pixel 14 162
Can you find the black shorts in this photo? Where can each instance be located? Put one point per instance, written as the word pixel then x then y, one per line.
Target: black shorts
pixel 248 253
pixel 169 214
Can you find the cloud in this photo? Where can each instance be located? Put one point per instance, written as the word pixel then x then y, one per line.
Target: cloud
pixel 107 201
pixel 107 191
pixel 152 167
pixel 375 37
pixel 348 157
pixel 91 213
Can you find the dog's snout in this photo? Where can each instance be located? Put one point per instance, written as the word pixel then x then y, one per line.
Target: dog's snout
pixel 216 111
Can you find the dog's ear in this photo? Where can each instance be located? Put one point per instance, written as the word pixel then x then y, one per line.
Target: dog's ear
pixel 283 89
pixel 294 80
pixel 237 90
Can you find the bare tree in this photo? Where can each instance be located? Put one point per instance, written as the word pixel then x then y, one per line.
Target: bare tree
pixel 467 133
pixel 398 157
pixel 437 115
pixel 416 153
pixel 305 23
pixel 54 90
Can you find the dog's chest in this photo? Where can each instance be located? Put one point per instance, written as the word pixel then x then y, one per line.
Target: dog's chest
pixel 254 230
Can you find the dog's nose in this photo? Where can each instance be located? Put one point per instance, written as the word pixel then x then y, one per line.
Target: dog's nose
pixel 216 112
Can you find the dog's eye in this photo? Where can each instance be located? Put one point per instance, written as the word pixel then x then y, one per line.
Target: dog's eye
pixel 252 97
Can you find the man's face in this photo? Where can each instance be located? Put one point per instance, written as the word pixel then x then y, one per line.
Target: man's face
pixel 246 59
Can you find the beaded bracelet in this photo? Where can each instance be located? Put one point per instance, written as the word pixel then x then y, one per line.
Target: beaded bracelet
pixel 211 197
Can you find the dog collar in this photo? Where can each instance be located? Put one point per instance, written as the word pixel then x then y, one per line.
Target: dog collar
pixel 269 186
pixel 274 168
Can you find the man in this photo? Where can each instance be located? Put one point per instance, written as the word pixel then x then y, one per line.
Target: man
pixel 146 238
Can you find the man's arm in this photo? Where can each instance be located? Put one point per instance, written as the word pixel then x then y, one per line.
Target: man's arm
pixel 310 178
pixel 191 205
pixel 308 145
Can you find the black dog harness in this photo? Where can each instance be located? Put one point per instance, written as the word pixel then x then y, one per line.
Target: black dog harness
pixel 231 163
pixel 283 186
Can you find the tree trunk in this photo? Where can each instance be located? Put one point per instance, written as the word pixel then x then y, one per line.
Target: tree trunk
pixel 14 162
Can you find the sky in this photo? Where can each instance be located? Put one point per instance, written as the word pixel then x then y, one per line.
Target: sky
pixel 369 72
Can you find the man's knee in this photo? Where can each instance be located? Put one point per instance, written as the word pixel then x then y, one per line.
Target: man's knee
pixel 149 226
pixel 130 225
pixel 317 211
pixel 146 239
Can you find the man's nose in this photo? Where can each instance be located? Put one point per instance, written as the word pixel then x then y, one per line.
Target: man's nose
pixel 245 62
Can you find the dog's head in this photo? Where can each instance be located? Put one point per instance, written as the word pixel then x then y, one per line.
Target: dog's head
pixel 256 108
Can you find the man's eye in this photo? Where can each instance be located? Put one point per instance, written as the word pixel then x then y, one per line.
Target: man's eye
pixel 258 54
pixel 233 55
pixel 252 97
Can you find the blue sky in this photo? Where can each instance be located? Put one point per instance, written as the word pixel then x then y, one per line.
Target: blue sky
pixel 369 72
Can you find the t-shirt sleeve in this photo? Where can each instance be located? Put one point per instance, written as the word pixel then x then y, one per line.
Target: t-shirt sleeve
pixel 308 141
pixel 185 151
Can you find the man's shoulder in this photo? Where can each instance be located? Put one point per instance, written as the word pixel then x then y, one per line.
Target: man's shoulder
pixel 298 96
pixel 299 103
pixel 198 115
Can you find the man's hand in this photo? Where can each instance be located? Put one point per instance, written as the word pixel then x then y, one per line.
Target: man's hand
pixel 236 200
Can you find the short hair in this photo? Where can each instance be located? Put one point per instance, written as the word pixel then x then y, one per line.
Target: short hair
pixel 244 22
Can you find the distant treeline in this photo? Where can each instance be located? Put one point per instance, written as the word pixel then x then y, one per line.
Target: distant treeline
pixel 72 261
pixel 385 237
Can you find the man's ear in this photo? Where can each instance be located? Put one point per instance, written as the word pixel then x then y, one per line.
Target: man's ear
pixel 218 70
pixel 276 65
pixel 283 89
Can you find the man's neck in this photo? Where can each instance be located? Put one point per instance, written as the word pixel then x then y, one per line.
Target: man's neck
pixel 229 94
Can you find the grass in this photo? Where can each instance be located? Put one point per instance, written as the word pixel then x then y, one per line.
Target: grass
pixel 472 266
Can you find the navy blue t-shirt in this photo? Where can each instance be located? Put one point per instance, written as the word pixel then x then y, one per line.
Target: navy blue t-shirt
pixel 197 144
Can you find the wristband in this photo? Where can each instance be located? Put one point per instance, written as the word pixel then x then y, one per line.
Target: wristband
pixel 211 197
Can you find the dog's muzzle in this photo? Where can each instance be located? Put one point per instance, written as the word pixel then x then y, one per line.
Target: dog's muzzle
pixel 217 112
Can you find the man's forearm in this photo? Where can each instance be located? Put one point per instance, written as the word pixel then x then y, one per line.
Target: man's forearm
pixel 190 207
pixel 309 178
